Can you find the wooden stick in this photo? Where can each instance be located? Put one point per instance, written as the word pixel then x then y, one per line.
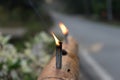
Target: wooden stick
pixel 70 64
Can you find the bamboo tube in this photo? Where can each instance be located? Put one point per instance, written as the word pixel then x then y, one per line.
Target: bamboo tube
pixel 70 64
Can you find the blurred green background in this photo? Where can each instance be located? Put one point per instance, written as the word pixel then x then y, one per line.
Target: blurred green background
pixel 21 26
pixel 97 9
pixel 27 15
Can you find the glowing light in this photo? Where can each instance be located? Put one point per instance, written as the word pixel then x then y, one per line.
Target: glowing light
pixel 56 40
pixel 63 28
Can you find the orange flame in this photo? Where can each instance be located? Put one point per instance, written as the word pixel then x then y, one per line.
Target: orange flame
pixel 56 40
pixel 63 28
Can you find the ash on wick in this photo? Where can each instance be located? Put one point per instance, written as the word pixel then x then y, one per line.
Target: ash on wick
pixel 58 52
pixel 64 30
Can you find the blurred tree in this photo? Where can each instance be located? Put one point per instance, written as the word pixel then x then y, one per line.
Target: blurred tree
pixel 109 9
pixel 87 6
pixel 24 13
pixel 116 9
pixel 106 9
pixel 99 7
pixel 24 4
pixel 74 6
pixel 20 8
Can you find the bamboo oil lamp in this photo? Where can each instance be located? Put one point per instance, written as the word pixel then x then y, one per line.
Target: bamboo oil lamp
pixel 70 68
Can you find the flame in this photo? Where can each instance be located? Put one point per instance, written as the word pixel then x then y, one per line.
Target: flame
pixel 63 28
pixel 56 40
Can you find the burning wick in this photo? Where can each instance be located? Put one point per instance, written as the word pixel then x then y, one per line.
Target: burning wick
pixel 65 31
pixel 58 52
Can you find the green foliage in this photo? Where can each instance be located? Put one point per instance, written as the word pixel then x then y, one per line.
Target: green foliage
pixel 98 6
pixel 24 13
pixel 18 9
pixel 73 6
pixel 116 8
pixel 24 65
